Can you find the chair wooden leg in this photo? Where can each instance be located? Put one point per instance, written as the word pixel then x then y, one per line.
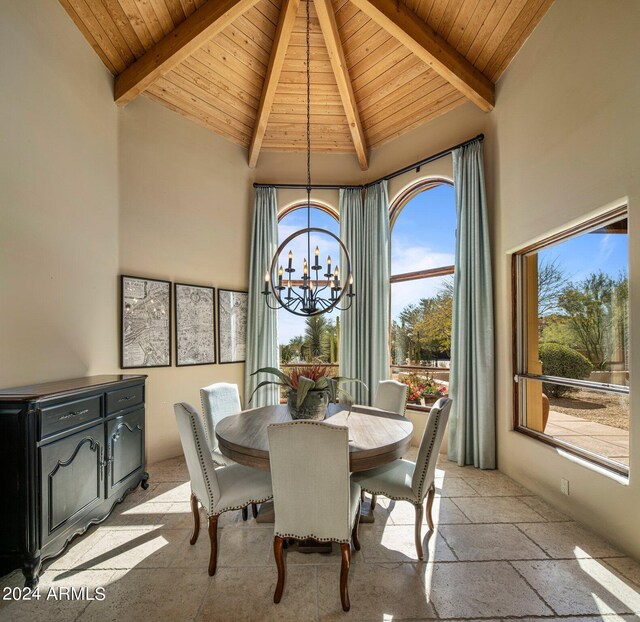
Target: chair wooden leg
pixel 419 511
pixel 374 500
pixel 354 531
pixel 213 537
pixel 245 513
pixel 196 519
pixel 430 497
pixel 278 543
pixel 345 549
pixel 254 510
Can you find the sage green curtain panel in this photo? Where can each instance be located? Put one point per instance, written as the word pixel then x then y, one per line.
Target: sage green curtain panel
pixel 364 337
pixel 262 322
pixel 472 430
pixel 352 343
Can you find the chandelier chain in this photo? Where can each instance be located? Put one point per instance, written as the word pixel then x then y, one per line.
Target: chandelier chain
pixel 308 128
pixel 308 100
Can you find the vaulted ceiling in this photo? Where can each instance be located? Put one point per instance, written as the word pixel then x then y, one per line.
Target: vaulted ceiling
pixel 378 67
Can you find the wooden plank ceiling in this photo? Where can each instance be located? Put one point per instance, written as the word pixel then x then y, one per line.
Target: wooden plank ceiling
pixel 378 67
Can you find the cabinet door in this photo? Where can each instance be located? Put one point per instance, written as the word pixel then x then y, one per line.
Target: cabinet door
pixel 125 446
pixel 71 472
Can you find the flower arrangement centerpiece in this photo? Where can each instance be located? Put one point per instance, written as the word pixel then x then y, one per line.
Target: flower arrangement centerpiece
pixel 310 388
pixel 422 388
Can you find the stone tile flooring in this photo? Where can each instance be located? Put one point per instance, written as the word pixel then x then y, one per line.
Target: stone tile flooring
pixel 498 553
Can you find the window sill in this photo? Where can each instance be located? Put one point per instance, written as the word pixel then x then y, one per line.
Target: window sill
pixel 593 462
pixel 596 468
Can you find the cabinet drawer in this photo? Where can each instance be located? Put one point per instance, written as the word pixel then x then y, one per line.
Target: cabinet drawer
pixel 124 398
pixel 69 415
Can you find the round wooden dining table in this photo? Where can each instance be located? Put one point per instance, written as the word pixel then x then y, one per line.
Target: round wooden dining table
pixel 376 437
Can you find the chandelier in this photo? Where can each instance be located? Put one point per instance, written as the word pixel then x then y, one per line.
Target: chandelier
pixel 315 292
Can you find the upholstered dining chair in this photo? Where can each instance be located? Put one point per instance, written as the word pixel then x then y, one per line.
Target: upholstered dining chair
pixel 403 480
pixel 313 496
pixel 218 490
pixel 391 396
pixel 219 400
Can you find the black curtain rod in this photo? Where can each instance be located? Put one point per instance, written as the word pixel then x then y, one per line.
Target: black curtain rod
pixel 402 171
pixel 304 186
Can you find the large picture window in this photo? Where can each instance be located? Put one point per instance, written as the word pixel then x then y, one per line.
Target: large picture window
pixel 571 311
pixel 423 237
pixel 315 339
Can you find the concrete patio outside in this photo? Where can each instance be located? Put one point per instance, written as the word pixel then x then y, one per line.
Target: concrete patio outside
pixel 598 438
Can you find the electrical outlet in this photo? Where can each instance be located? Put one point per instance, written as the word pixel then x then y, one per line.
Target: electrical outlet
pixel 564 486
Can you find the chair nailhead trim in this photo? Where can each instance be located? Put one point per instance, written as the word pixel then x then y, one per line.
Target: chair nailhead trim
pixel 202 463
pixel 311 537
pixel 429 451
pixel 206 425
pixel 240 507
pixel 385 493
pixel 235 507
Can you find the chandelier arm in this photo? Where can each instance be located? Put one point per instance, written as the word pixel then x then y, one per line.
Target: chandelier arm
pixel 347 307
pixel 319 290
pixel 276 308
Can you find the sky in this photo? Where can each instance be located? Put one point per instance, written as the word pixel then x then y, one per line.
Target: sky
pixel 589 253
pixel 423 236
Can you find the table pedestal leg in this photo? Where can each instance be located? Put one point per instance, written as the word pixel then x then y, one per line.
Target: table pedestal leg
pixel 366 513
pixel 265 513
pixel 311 546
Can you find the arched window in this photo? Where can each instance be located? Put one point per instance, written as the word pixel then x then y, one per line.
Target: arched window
pixel 315 339
pixel 423 237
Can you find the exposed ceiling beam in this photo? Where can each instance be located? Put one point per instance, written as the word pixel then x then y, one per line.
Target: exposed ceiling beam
pixel 403 24
pixel 180 43
pixel 286 22
pixel 329 27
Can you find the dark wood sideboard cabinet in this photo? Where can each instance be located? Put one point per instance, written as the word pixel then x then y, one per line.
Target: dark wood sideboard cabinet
pixel 69 452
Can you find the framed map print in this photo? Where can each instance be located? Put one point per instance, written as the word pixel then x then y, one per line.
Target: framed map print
pixel 195 325
pixel 145 322
pixel 232 325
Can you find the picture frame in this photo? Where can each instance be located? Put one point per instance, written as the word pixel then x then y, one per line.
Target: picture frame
pixel 195 334
pixel 145 322
pixel 232 325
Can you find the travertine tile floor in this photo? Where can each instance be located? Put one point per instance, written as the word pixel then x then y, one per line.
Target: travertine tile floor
pixel 499 553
